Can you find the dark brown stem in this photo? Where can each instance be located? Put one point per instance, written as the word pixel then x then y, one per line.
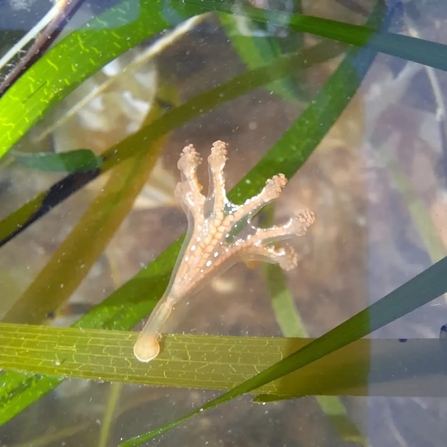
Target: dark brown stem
pixel 42 43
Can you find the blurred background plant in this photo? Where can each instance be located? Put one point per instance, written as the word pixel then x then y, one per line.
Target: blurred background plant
pixel 345 98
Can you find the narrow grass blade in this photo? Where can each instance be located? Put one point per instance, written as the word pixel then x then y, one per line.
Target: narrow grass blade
pixel 79 160
pixel 281 300
pixel 291 325
pixel 422 51
pixel 394 368
pixel 110 414
pixel 256 51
